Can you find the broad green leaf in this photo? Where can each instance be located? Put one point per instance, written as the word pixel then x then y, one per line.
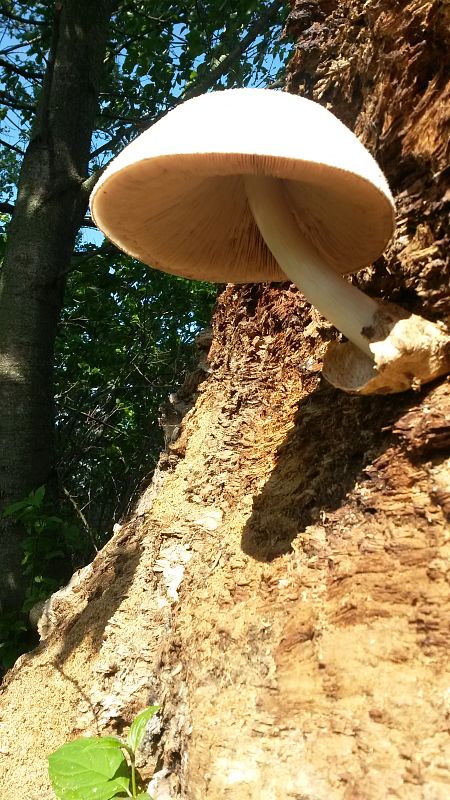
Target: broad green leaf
pixel 138 727
pixel 34 500
pixel 38 496
pixel 89 769
pixel 14 508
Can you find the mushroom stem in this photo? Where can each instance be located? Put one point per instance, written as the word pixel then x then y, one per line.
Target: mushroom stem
pixel 349 309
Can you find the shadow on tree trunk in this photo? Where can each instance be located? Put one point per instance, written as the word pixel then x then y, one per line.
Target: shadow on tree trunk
pixel 315 473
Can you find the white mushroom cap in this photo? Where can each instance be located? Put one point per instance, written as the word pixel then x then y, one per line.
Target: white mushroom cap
pixel 175 197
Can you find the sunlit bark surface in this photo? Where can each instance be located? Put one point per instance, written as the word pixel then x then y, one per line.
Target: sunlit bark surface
pixel 283 589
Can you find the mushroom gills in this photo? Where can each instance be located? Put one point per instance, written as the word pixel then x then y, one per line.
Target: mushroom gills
pixel 350 310
pixel 389 349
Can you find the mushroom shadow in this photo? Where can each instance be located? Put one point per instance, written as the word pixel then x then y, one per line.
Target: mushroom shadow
pixel 318 464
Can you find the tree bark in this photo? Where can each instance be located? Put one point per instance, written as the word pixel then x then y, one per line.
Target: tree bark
pixel 283 588
pixel 50 205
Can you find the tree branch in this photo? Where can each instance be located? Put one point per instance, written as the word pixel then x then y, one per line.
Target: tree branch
pixel 24 73
pixel 6 208
pixel 18 45
pixel 212 76
pixel 12 147
pixel 89 183
pixel 79 512
pixel 120 117
pixel 132 7
pixel 106 248
pixel 42 121
pixel 110 144
pixel 88 222
pixel 113 53
pixel 5 12
pixel 11 102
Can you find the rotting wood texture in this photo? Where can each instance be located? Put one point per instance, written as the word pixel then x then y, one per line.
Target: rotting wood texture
pixel 284 595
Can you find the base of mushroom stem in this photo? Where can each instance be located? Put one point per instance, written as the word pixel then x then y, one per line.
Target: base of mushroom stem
pixel 407 352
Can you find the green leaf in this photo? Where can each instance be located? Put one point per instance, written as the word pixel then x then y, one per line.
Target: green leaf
pixel 89 769
pixel 13 508
pixel 138 727
pixel 37 496
pixel 34 500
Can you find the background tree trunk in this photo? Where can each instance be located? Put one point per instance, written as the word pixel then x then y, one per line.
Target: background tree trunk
pixel 283 589
pixel 50 207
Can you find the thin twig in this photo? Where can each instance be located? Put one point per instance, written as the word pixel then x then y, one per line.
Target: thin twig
pixel 213 75
pixel 5 12
pixel 19 45
pixel 24 73
pixel 100 422
pixel 12 147
pixel 81 516
pixel 11 102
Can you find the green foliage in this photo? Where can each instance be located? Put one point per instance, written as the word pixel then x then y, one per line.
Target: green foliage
pixel 138 727
pixel 49 538
pixel 125 337
pixel 96 768
pixel 89 769
pixel 14 638
pixel 156 53
pixel 53 546
pixel 124 344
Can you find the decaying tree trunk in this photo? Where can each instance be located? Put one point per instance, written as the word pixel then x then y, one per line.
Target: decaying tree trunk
pixel 283 589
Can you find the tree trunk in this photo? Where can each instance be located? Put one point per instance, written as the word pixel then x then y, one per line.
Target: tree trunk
pixel 50 206
pixel 283 589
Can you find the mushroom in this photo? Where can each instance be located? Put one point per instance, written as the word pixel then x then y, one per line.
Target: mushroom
pixel 255 185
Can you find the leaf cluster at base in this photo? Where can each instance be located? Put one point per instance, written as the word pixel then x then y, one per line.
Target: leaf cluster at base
pixel 96 768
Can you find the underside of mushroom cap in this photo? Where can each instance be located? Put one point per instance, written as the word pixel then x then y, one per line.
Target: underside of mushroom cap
pixel 175 197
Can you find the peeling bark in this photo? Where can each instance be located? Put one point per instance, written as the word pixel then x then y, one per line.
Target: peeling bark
pixel 284 595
